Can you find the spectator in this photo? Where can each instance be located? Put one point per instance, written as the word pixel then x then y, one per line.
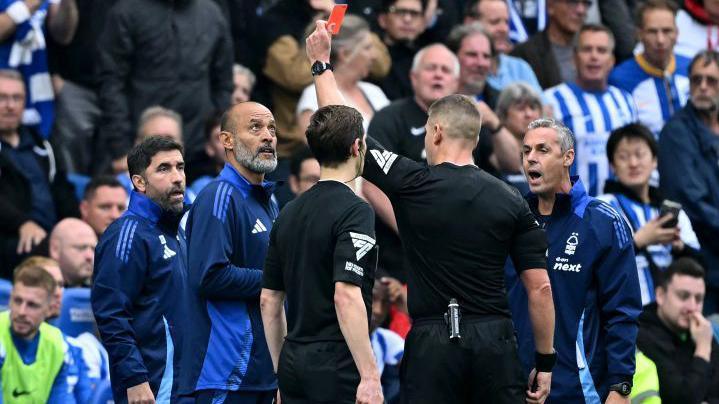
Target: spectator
pixel 517 106
pixel 402 23
pixel 387 345
pixel 688 171
pixel 104 201
pixel 214 151
pixel 590 107
pixel 304 171
pixel 76 86
pixel 550 52
pixel 593 275
pixel 679 339
pixel 288 69
pixel 72 245
pixel 35 191
pixel 23 48
pixel 506 69
pixel 657 77
pixel 697 22
pixel 474 49
pixel 352 55
pixel 139 279
pixel 185 66
pixel 244 81
pixel 632 155
pixel 27 340
pixel 78 377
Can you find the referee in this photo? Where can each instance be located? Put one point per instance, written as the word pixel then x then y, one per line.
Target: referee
pixel 458 225
pixel 321 257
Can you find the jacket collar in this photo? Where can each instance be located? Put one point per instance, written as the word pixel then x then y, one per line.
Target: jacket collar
pixel 231 175
pixel 141 205
pixel 708 141
pixel 616 187
pixel 655 71
pixel 575 200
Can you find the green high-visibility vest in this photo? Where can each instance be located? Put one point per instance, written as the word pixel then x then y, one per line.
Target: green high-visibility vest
pixel 645 386
pixel 30 384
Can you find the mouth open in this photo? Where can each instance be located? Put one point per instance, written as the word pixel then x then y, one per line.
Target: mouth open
pixel 266 150
pixel 534 175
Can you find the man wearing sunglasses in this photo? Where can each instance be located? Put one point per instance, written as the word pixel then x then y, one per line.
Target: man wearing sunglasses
pixel 689 163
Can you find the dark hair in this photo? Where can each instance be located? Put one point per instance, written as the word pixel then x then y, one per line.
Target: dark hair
pixel 34 276
pixel 141 155
pixel 299 157
pixel 595 28
pixel 681 266
pixel 100 181
pixel 708 56
pixel 386 4
pixel 631 131
pixel 649 5
pixel 332 131
pixel 460 32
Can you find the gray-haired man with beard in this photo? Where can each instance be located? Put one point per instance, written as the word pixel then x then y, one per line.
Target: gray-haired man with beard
pixel 228 231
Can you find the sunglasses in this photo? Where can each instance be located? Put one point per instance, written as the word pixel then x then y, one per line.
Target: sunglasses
pixel 697 79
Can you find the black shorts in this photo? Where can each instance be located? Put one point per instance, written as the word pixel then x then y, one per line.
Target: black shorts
pixel 483 367
pixel 317 372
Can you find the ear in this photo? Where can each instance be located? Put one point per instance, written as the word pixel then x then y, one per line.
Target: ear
pixel 568 158
pixel 54 249
pixel 437 136
pixel 227 140
pixel 355 148
pixel 139 183
pixel 660 295
pixel 382 21
pixel 83 209
pixel 294 183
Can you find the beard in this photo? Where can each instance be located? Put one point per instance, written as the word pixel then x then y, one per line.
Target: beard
pixel 254 161
pixel 168 204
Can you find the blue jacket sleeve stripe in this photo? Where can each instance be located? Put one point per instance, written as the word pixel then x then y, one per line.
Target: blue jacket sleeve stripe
pixel 616 221
pixel 120 241
pixel 128 244
pixel 220 189
pixel 226 203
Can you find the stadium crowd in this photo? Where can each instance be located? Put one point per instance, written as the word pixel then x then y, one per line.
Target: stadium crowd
pixel 147 147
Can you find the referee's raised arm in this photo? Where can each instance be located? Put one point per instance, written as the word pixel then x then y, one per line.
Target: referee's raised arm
pixel 318 50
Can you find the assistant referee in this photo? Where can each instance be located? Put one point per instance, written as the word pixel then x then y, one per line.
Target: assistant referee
pixel 321 257
pixel 458 226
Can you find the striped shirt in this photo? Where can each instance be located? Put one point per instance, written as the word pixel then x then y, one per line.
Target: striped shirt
pixel 637 215
pixel 591 116
pixel 657 93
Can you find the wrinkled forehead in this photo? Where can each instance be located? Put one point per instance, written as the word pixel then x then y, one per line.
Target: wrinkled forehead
pixel 538 136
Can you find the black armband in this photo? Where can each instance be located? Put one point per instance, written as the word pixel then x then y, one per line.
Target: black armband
pixel 545 362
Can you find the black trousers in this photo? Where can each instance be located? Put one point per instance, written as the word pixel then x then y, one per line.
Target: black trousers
pixel 483 367
pixel 318 372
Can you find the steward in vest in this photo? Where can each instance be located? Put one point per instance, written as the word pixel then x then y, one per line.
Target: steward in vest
pixel 34 358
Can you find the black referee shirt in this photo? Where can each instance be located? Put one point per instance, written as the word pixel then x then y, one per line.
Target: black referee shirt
pixel 458 225
pixel 324 236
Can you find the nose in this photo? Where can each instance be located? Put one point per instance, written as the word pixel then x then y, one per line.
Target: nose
pixel 115 213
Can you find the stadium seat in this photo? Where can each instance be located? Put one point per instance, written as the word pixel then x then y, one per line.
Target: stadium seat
pixel 79 181
pixel 76 315
pixel 5 288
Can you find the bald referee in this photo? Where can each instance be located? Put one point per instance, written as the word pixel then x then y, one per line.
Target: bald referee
pixel 458 226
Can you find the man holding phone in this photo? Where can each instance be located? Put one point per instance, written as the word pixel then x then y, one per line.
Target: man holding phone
pixel 661 230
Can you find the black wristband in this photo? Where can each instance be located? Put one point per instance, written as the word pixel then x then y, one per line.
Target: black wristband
pixel 497 129
pixel 545 362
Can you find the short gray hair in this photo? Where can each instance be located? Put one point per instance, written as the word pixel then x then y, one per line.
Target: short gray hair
pixel 564 135
pixel 238 69
pixel 420 54
pixel 516 93
pixel 11 74
pixel 353 26
pixel 156 111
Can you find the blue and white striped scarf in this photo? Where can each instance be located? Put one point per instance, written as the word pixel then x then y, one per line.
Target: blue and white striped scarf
pixel 25 51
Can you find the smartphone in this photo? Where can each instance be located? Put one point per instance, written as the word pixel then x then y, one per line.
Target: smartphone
pixel 673 208
pixel 336 17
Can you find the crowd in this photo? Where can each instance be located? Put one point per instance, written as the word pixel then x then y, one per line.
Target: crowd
pixel 137 182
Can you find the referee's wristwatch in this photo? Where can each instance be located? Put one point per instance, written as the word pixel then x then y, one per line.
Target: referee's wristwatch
pixel 623 388
pixel 320 67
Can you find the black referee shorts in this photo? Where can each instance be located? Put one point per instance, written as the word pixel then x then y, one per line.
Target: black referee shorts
pixel 317 372
pixel 483 367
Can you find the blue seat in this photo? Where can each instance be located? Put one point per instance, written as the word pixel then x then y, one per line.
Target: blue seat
pixel 103 393
pixel 76 315
pixel 5 288
pixel 80 182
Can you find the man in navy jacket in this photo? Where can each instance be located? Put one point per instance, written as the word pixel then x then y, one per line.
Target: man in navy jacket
pixel 140 267
pixel 593 273
pixel 228 230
